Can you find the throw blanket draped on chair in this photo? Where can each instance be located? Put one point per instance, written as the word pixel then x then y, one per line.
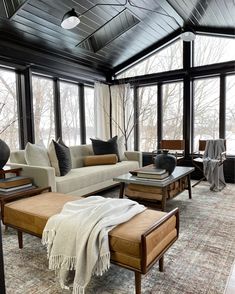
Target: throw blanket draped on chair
pixel 212 164
pixel 77 238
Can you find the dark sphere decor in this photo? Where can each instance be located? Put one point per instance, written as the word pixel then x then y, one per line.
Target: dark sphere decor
pixel 165 161
pixel 4 153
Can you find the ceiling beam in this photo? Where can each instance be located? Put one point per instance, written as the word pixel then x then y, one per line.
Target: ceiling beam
pixel 146 52
pixel 223 32
pixel 12 7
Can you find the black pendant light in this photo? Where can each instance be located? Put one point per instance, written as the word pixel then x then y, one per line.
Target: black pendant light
pixel 70 20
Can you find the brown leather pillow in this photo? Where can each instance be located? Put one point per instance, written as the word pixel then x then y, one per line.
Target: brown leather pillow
pixel 100 159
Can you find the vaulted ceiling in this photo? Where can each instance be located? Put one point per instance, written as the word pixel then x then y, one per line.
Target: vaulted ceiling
pixel 110 36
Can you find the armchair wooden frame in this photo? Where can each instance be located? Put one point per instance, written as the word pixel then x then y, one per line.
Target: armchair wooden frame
pixel 175 147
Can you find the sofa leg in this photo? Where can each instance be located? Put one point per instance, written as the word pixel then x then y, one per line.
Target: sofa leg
pixel 161 264
pixel 137 283
pixel 20 239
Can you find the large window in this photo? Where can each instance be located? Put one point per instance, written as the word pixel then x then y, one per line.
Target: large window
pixel 89 112
pixel 206 109
pixel 230 114
pixel 148 118
pixel 70 118
pixel 172 107
pixel 43 109
pixel 169 58
pixel 8 109
pixel 210 50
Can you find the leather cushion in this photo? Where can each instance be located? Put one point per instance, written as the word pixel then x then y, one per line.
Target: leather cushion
pixel 31 214
pixel 100 159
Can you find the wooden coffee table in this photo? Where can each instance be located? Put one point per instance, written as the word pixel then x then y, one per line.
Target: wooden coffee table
pixel 140 189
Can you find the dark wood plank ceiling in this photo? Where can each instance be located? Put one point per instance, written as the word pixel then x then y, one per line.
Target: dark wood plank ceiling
pixel 36 23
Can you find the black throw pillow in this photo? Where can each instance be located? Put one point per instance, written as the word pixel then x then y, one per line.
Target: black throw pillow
pixel 60 157
pixel 105 147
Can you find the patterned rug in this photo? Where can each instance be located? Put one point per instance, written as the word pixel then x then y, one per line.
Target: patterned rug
pixel 198 263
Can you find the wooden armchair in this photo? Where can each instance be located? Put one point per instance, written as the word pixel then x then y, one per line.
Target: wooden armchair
pixel 175 147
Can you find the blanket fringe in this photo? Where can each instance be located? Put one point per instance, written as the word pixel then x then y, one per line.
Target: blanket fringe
pixel 77 289
pixel 102 264
pixel 62 262
pixel 48 236
pixel 47 240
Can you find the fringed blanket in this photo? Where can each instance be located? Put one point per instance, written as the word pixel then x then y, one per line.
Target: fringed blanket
pixel 77 238
pixel 212 164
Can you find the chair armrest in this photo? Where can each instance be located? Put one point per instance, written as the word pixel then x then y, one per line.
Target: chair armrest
pixel 222 156
pixel 196 154
pixel 43 176
pixel 134 156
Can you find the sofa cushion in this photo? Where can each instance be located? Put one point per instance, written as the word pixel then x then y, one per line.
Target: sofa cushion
pixel 18 157
pixel 79 178
pixel 78 153
pixel 100 159
pixel 36 155
pixel 105 147
pixel 60 158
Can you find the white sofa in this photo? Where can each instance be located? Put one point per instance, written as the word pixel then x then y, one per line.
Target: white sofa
pixel 81 180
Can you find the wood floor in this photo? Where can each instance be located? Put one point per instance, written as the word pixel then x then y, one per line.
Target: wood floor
pixel 230 288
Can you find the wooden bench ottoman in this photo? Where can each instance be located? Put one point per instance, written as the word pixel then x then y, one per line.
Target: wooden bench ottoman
pixel 135 245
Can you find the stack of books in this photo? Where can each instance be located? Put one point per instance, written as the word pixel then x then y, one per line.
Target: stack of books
pixel 15 184
pixel 150 172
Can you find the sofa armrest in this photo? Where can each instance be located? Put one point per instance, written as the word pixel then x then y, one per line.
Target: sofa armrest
pixel 135 156
pixel 43 176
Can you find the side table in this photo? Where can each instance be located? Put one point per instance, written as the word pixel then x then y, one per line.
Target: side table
pixel 8 170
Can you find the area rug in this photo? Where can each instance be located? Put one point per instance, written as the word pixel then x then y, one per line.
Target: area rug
pixel 198 263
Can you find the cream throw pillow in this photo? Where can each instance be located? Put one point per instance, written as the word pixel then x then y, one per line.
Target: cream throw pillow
pixel 36 155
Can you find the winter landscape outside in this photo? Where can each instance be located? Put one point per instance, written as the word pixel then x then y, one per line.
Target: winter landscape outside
pixel 206 91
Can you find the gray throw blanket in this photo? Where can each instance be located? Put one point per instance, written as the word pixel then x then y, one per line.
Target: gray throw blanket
pixel 212 164
pixel 77 238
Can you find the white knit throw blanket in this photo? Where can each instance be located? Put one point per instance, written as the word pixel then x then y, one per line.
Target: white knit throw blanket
pixel 213 170
pixel 77 238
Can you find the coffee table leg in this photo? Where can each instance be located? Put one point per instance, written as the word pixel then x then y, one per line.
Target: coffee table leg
pixel 121 191
pixel 189 187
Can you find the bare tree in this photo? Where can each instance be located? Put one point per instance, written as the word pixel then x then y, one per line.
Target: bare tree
pixel 8 109
pixel 70 113
pixel 43 107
